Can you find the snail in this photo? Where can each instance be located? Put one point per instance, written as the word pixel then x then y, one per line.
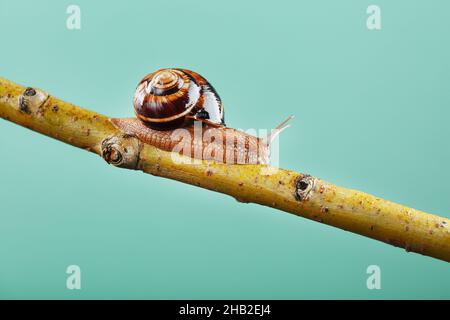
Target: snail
pixel 178 110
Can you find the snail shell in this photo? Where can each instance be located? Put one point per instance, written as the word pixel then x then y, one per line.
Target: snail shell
pixel 170 98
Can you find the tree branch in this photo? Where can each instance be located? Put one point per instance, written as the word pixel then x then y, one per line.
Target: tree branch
pixel 293 192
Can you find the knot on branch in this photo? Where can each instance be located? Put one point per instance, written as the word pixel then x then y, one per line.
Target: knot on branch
pixel 31 100
pixel 304 186
pixel 121 151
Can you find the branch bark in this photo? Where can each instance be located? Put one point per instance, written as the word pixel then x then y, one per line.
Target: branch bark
pixel 286 190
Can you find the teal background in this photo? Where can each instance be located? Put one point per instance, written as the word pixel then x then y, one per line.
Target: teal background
pixel 372 113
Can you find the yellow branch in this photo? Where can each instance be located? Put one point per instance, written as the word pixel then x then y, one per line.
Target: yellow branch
pixel 293 192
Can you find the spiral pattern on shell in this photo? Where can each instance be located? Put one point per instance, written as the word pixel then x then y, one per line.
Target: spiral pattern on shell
pixel 167 97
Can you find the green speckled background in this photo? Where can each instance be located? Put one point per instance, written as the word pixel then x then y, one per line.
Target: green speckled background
pixel 372 113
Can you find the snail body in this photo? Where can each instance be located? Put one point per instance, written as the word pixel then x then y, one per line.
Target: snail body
pixel 177 110
pixel 204 142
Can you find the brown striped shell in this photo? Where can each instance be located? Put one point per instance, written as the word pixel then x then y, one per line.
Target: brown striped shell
pixel 169 98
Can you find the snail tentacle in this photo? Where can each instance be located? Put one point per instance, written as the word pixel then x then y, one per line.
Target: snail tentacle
pixel 278 129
